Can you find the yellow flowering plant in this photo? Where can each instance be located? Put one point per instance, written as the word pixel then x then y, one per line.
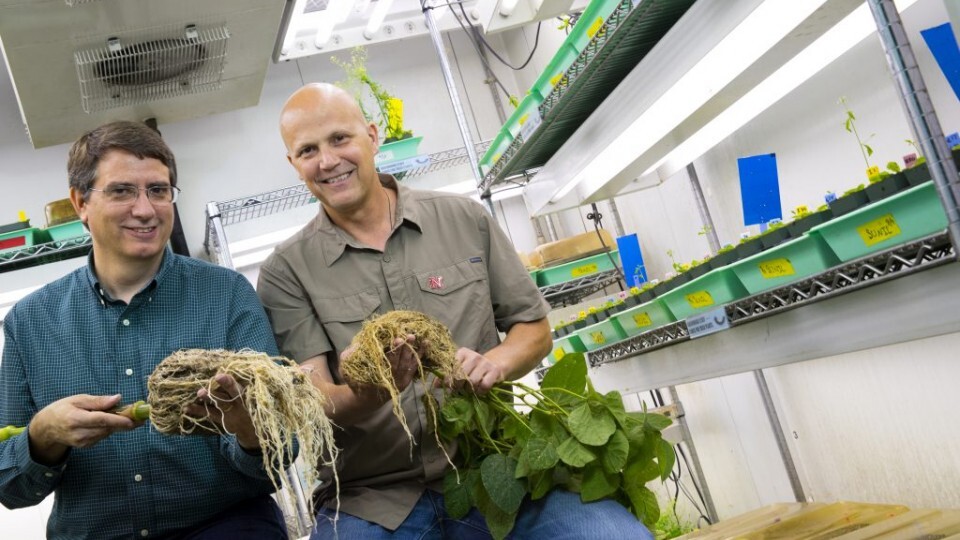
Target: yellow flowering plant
pixel 359 83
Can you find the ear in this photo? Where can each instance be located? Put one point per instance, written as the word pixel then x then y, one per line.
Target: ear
pixel 374 135
pixel 79 204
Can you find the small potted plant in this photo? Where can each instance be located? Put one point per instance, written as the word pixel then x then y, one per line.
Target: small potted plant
pixel 750 244
pixel 915 168
pixel 887 183
pixel 725 255
pixel 804 219
pixel 397 141
pixel 849 201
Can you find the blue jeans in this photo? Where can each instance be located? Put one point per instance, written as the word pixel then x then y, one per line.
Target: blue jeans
pixel 558 516
pixel 256 519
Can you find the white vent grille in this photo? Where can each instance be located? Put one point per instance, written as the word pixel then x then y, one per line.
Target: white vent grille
pixel 72 3
pixel 141 66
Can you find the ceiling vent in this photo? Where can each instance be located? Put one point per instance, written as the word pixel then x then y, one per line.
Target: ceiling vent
pixel 145 66
pixel 72 3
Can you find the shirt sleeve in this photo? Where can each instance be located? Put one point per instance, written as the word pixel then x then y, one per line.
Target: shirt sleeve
pixel 515 296
pixel 249 328
pixel 298 332
pixel 23 482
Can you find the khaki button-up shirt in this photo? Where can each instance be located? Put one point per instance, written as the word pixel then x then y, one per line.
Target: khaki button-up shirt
pixel 447 258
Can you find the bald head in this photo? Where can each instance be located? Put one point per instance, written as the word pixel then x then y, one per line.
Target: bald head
pixel 316 98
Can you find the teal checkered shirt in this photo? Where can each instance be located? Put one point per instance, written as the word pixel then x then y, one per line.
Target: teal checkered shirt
pixel 70 338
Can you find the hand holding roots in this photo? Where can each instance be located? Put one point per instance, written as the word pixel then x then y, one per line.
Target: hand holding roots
pixel 281 402
pixel 369 363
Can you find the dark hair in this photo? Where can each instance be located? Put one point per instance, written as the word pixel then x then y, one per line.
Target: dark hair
pixel 133 137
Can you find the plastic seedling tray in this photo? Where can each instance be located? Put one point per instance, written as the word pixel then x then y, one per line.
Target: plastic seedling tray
pixel 716 288
pixel 66 231
pixel 643 318
pixel 565 345
pixel 398 150
pixel 555 70
pixel 900 218
pixel 601 334
pixel 498 146
pixel 18 239
pixel 788 262
pixel 590 22
pixel 576 269
pixel 519 117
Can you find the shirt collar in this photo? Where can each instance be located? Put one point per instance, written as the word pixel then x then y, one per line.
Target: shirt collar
pixel 334 241
pixel 104 297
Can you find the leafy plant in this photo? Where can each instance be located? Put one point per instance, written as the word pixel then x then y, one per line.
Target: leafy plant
pixel 800 212
pixel 670 525
pixel 572 438
pixel 390 108
pixel 850 124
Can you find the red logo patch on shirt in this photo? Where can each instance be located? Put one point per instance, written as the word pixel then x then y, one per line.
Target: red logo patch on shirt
pixel 435 282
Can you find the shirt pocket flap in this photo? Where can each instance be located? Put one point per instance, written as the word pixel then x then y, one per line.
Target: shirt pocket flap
pixel 351 308
pixel 442 281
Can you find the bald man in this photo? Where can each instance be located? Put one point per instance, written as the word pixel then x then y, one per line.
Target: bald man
pixel 374 247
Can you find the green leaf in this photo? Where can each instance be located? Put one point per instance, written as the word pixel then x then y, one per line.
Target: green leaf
pixel 575 454
pixel 570 374
pixel 539 454
pixel 484 416
pixel 591 424
pixel 614 402
pixel 893 167
pixel 641 471
pixel 598 484
pixel 457 409
pixel 614 454
pixel 498 474
pixel 665 458
pixel 657 421
pixel 514 430
pixel 869 150
pixel 644 503
pixel 456 494
pixel 546 426
pixel 540 484
pixel 499 522
pixel 846 124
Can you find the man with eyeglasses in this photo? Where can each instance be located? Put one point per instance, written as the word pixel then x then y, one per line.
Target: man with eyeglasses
pixel 79 347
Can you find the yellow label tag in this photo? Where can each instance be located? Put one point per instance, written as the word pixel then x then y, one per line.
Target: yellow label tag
pixel 584 270
pixel 699 299
pixel 523 119
pixel 642 319
pixel 555 79
pixel 775 268
pixel 595 27
pixel 879 230
pixel 802 209
pixel 559 353
pixel 873 171
pixel 598 338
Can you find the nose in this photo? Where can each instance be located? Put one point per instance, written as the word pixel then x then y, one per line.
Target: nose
pixel 142 205
pixel 327 158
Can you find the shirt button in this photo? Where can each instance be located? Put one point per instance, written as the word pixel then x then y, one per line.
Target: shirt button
pixel 137 477
pixel 144 532
pixel 38 494
pixel 129 372
pixel 386 258
pixel 126 322
pixel 48 474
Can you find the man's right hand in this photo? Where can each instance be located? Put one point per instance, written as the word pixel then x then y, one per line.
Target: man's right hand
pixel 74 422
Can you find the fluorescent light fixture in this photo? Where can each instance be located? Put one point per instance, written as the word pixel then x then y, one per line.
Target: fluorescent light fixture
pixel 296 20
pixel 831 45
pixel 376 18
pixel 748 42
pixel 337 11
pixel 251 251
pixel 466 187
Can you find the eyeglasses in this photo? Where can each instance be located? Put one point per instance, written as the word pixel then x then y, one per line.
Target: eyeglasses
pixel 126 194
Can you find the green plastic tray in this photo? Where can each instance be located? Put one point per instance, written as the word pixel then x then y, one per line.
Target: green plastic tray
pixel 786 263
pixel 600 334
pixel 906 216
pixel 590 21
pixel 65 231
pixel 709 291
pixel 565 345
pixel 398 150
pixel 18 239
pixel 576 269
pixel 561 61
pixel 497 147
pixel 530 103
pixel 645 317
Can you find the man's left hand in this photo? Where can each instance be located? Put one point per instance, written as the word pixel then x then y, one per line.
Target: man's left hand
pixel 225 408
pixel 481 373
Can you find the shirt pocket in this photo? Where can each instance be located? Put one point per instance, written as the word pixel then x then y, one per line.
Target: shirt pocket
pixel 458 295
pixel 342 317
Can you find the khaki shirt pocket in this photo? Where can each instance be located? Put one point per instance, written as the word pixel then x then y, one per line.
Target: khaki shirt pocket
pixel 342 317
pixel 458 295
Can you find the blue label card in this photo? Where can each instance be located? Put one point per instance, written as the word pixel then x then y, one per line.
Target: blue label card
pixel 631 259
pixel 953 139
pixel 759 189
pixel 942 43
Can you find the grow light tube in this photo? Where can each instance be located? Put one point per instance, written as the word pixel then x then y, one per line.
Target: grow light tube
pixel 742 47
pixel 376 18
pixel 818 55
